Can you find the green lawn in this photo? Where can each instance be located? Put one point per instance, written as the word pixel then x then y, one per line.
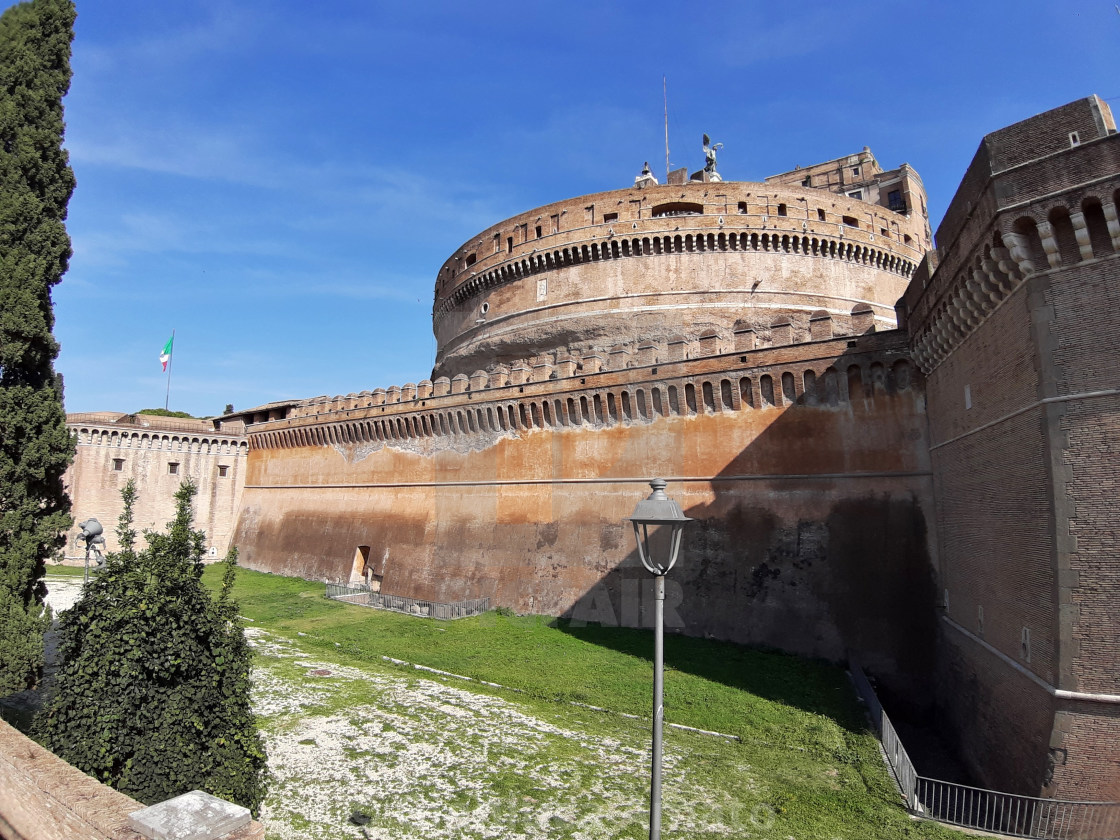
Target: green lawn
pixel 814 764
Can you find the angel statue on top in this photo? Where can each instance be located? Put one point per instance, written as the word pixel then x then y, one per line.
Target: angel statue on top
pixel 710 150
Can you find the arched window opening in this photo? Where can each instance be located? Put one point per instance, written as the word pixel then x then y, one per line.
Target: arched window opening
pixel 789 394
pixel 725 395
pixel 1026 227
pixel 746 392
pixel 677 208
pixel 878 377
pixel 1097 225
pixel 709 397
pixel 640 398
pixel 690 397
pixel 901 375
pixel 855 383
pixel 674 401
pixel 809 384
pixel 1063 232
pixel 766 386
pixel 626 412
pixel 658 406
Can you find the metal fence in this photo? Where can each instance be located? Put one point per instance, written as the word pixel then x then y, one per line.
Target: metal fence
pixel 985 810
pixel 359 594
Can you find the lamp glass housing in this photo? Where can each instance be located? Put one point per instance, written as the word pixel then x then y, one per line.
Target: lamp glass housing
pixel 658 510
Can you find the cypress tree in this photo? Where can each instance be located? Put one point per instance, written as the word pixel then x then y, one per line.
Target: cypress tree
pixel 35 446
pixel 152 694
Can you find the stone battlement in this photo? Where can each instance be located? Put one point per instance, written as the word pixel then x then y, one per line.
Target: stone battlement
pixel 1010 240
pixel 485 406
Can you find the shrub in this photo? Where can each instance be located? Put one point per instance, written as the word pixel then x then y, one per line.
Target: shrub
pixel 152 696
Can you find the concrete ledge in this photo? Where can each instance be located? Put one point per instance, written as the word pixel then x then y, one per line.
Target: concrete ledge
pixel 44 798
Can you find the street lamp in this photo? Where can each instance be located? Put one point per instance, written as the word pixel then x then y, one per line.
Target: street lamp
pixel 91 535
pixel 657 510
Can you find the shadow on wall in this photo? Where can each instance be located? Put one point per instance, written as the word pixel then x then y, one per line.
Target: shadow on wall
pixel 814 541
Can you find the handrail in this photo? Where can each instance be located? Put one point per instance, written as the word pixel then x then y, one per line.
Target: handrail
pixel 977 808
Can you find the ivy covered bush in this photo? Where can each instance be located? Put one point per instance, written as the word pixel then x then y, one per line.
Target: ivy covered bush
pixel 152 694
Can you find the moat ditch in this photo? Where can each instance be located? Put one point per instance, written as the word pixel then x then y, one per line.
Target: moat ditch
pixel 433 756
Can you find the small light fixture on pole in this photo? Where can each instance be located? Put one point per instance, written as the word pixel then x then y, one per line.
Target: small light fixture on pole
pixel 655 511
pixel 91 535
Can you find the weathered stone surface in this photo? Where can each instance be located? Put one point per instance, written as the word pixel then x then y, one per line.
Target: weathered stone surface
pixel 193 816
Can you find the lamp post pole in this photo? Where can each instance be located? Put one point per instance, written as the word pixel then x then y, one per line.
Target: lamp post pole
pixel 658 510
pixel 658 705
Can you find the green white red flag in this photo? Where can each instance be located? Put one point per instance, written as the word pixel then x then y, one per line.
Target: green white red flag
pixel 165 353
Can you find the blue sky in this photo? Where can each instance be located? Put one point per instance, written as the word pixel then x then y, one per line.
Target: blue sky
pixel 279 181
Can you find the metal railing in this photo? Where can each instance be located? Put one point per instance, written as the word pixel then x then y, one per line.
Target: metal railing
pixel 359 594
pixel 985 810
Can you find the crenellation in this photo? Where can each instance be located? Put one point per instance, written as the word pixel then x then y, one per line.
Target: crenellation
pixel 571 402
pixel 781 331
pixel 620 356
pixel 479 380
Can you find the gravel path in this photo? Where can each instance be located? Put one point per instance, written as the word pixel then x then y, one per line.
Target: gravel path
pixel 429 760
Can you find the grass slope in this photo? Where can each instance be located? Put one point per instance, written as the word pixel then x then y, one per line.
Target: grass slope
pixel 808 762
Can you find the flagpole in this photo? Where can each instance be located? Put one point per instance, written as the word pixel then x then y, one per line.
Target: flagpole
pixel 167 398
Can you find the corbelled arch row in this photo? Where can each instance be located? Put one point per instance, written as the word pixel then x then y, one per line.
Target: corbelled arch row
pixel 619 248
pixel 167 442
pixel 827 385
pixel 1068 230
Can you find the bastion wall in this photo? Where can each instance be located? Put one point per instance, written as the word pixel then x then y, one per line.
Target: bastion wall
pixel 804 465
pixel 1016 321
pixel 158 453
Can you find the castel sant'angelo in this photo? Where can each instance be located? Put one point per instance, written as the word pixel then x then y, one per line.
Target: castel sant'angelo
pixel 892 452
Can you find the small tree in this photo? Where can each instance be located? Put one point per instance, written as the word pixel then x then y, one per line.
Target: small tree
pixel 35 445
pixel 152 696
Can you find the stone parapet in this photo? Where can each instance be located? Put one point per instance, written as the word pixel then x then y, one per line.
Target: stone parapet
pixel 763 378
pixel 44 798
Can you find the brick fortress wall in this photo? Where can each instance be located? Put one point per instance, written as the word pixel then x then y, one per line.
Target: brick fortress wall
pixel 1015 321
pixel 158 453
pixel 805 465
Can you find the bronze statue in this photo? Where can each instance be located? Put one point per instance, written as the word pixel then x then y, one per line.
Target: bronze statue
pixel 710 150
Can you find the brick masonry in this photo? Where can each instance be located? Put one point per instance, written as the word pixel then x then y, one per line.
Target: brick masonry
pixel 44 798
pixel 939 499
pixel 1016 324
pixel 158 453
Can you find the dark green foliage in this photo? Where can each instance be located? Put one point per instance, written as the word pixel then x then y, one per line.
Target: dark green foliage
pixel 163 412
pixel 35 446
pixel 152 696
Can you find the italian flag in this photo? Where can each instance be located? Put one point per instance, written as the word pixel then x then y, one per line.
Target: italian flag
pixel 165 353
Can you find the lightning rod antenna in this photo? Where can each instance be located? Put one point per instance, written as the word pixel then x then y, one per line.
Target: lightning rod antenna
pixel 665 94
